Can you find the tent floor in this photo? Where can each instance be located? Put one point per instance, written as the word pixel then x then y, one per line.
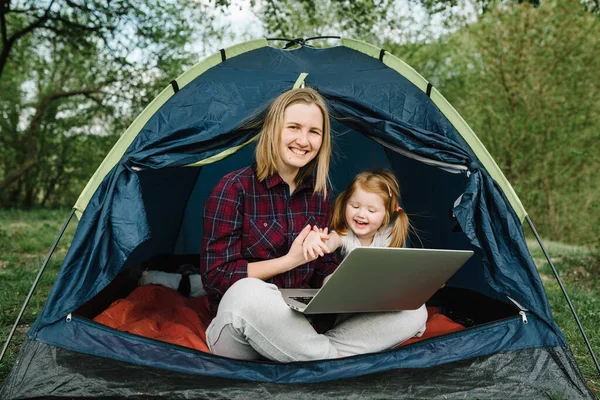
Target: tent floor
pixel 43 371
pixel 466 307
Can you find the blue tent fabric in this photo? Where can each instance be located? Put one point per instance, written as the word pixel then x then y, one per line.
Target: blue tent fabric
pixel 107 234
pixel 506 335
pixel 511 269
pixel 200 121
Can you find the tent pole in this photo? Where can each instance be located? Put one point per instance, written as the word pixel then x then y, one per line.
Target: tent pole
pixel 585 338
pixel 37 279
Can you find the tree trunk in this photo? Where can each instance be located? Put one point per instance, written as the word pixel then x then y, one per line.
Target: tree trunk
pixel 14 194
pixel 17 173
pixel 50 188
pixel 29 190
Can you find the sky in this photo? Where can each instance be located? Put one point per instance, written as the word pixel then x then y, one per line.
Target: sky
pixel 243 25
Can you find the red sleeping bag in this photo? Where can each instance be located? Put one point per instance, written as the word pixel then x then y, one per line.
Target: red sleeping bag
pixel 160 313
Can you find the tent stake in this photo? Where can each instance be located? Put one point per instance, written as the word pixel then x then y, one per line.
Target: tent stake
pixel 37 279
pixel 585 338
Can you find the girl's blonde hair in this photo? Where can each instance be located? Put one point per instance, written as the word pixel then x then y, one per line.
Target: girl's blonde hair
pixel 384 184
pixel 267 149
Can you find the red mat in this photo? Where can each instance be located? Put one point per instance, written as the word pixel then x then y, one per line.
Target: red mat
pixel 160 313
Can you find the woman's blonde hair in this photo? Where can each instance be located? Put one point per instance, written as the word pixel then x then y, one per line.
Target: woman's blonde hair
pixel 383 183
pixel 267 149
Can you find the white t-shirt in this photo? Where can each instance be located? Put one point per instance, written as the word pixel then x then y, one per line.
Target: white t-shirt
pixel 382 238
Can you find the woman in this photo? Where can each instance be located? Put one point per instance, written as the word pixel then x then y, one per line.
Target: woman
pixel 255 223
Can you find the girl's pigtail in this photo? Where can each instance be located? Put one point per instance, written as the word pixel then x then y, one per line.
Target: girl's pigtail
pixel 400 228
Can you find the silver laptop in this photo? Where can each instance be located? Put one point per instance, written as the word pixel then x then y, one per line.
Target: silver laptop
pixel 380 279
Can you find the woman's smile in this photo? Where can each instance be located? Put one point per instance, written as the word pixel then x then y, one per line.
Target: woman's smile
pixel 301 137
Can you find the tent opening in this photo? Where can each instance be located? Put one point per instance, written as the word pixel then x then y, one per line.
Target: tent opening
pixel 174 201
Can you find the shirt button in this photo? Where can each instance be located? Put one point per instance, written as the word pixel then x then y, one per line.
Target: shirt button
pixel 265 224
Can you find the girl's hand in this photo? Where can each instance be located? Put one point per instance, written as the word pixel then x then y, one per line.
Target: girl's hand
pixel 314 245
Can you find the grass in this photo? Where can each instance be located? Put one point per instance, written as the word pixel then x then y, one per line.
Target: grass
pixel 579 270
pixel 26 237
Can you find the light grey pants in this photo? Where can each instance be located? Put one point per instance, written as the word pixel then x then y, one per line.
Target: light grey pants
pixel 253 321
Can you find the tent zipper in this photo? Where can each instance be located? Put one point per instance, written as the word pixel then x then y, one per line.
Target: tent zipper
pixel 448 167
pixel 521 310
pixel 125 334
pixel 466 331
pixel 524 317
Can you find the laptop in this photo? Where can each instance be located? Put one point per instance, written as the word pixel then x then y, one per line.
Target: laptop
pixel 373 279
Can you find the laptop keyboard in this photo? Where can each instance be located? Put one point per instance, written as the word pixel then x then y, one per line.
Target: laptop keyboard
pixel 304 300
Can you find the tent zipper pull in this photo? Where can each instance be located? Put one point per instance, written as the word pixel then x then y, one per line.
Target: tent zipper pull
pixel 68 319
pixel 524 317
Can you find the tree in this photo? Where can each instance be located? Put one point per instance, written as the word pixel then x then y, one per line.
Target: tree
pixel 363 19
pixel 524 78
pixel 75 67
pixel 483 6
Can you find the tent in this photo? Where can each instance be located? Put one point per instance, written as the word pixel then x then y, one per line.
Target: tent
pixel 146 199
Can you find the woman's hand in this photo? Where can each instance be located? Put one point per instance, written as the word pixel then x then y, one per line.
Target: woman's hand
pixel 314 244
pixel 296 255
pixel 267 269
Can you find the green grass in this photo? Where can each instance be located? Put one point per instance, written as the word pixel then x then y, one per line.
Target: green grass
pixel 579 270
pixel 26 237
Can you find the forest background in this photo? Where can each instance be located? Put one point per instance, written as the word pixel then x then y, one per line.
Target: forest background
pixel 74 74
pixel 523 74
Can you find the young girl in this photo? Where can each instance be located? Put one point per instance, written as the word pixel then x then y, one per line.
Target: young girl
pixel 365 214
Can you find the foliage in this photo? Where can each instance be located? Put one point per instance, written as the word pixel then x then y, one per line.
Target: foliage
pixel 71 69
pixel 362 19
pixel 74 74
pixel 483 5
pixel 524 79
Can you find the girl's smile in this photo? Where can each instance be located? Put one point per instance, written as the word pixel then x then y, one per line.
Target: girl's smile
pixel 365 212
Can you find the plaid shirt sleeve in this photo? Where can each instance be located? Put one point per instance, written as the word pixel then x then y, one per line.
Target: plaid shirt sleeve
pixel 221 260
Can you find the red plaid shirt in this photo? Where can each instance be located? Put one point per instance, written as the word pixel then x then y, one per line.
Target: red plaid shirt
pixel 247 221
